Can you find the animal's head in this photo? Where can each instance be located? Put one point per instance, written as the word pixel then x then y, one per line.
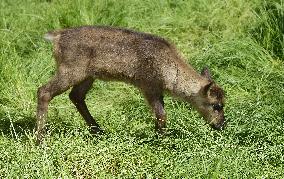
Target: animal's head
pixel 210 102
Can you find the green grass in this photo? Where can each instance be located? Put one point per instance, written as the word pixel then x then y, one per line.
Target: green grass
pixel 242 43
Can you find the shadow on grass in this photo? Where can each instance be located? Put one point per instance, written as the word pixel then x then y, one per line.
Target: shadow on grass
pixel 22 128
pixel 10 127
pixel 18 125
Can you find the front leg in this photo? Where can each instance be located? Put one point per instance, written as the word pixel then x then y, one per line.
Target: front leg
pixel 156 102
pixel 160 114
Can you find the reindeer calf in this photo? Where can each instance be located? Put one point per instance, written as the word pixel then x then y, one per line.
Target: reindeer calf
pixel 148 62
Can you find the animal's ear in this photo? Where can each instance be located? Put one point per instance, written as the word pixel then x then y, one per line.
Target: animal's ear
pixel 206 73
pixel 207 87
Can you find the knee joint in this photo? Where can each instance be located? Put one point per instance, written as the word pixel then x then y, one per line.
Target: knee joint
pixel 43 94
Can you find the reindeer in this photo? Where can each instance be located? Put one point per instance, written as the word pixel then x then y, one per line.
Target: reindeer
pixel 146 61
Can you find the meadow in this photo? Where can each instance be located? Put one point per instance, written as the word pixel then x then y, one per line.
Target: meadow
pixel 241 41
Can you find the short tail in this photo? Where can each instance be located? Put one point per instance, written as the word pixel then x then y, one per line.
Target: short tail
pixel 51 36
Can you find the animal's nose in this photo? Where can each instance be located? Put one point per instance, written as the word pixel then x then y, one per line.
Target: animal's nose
pixel 219 126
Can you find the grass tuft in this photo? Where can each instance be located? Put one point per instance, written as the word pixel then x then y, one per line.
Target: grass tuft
pixel 269 29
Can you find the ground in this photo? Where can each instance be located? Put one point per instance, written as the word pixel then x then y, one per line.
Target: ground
pixel 240 41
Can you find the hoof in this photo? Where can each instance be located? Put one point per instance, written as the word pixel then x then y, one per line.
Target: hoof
pixel 161 131
pixel 95 130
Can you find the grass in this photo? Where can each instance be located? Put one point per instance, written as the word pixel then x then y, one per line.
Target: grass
pixel 241 42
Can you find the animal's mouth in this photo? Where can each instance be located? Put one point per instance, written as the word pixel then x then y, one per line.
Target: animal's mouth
pixel 219 125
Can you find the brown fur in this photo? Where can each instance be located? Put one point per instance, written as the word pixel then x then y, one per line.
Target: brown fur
pixel 148 62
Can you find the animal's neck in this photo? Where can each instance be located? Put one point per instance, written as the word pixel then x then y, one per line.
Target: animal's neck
pixel 183 81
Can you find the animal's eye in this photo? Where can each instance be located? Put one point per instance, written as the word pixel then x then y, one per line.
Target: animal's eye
pixel 217 107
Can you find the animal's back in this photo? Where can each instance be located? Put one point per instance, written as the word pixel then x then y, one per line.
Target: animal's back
pixel 113 53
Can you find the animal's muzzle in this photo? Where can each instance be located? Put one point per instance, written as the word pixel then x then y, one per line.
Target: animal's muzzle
pixel 219 126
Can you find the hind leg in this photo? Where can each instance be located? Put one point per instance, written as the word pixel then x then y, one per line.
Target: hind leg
pixel 57 85
pixel 77 96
